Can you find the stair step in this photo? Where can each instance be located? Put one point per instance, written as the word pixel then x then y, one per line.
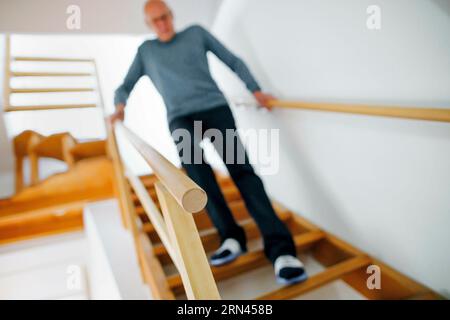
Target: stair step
pixel 22 227
pixel 88 149
pixel 328 275
pixel 51 74
pixel 201 218
pixel 50 90
pixel 52 59
pixel 50 107
pixel 249 261
pixel 52 146
pixel 211 240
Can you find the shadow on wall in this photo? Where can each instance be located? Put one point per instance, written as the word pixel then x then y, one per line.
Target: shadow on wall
pixel 444 5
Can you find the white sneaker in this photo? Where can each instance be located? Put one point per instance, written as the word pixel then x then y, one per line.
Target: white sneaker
pixel 289 270
pixel 228 251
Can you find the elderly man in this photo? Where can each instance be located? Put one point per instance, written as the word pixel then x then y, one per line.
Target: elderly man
pixel 177 64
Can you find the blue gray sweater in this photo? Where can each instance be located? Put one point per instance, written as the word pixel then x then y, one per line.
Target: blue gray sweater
pixel 179 70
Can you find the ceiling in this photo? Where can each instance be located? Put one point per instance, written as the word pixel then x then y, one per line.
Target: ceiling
pixel 99 16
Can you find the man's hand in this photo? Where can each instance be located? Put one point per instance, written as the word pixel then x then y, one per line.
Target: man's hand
pixel 263 99
pixel 118 115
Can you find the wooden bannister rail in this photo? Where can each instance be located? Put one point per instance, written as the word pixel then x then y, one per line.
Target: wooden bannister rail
pixel 186 192
pixel 178 196
pixel 153 214
pixel 431 114
pixel 192 262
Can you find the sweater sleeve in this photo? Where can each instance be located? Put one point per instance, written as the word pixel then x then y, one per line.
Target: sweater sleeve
pixel 135 72
pixel 232 61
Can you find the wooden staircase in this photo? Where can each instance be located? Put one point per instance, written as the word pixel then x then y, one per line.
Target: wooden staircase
pixel 55 205
pixel 341 260
pixel 61 146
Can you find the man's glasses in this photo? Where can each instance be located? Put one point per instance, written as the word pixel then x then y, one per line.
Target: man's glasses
pixel 162 18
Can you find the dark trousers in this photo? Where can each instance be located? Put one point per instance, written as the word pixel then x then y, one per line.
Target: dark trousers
pixel 276 236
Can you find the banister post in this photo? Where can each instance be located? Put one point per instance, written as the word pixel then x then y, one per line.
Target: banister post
pixel 195 271
pixel 119 181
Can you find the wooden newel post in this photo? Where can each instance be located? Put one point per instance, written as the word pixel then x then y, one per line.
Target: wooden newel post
pixel 193 264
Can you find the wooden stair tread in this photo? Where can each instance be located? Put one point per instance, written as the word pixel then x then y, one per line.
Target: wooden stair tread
pixel 52 146
pixel 330 274
pixel 88 149
pixel 49 90
pixel 53 222
pixel 211 240
pixel 49 107
pixel 51 74
pixel 50 59
pixel 249 261
pixel 75 185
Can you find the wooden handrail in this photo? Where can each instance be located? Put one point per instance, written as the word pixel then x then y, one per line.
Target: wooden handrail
pixel 431 114
pixel 153 214
pixel 186 192
pixel 192 262
pixel 50 74
pixel 49 107
pixel 177 230
pixel 49 90
pixel 51 59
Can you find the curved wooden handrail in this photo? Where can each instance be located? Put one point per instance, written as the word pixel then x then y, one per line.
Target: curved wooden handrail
pixel 431 114
pixel 186 192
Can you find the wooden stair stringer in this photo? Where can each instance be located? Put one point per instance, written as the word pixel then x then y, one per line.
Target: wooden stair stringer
pixel 341 260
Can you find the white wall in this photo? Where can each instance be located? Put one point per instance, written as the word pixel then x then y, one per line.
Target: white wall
pixel 145 113
pixel 99 263
pixel 5 147
pixel 99 16
pixel 114 271
pixel 46 268
pixel 382 184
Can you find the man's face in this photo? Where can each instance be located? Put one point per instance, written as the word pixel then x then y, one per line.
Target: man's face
pixel 159 17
